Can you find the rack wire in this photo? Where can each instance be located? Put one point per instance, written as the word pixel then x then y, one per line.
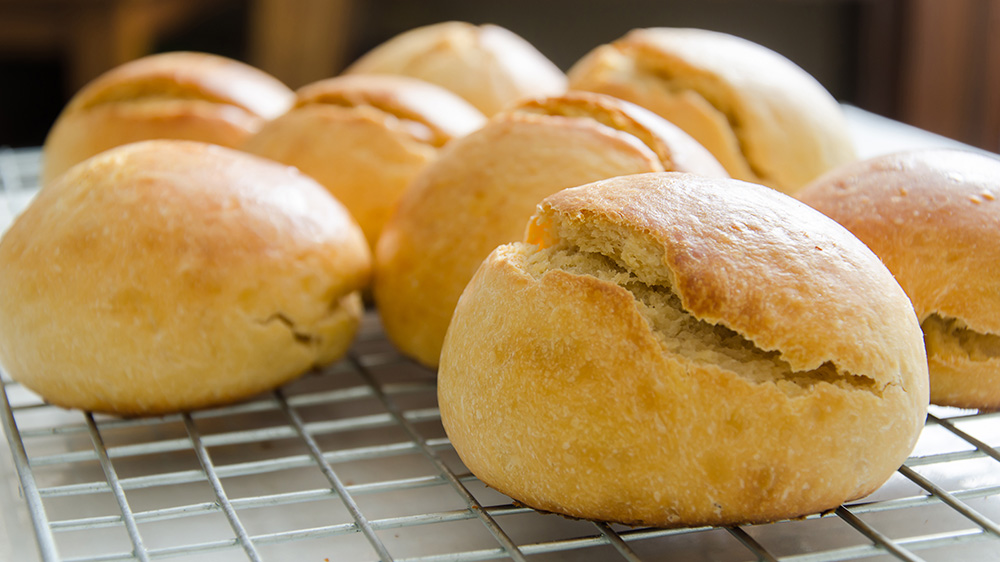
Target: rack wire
pixel 351 463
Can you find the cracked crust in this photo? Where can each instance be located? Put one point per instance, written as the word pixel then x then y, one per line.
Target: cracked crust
pixel 933 217
pixel 483 188
pixel 364 138
pixel 672 350
pixel 178 95
pixel 487 65
pixel 172 275
pixel 763 117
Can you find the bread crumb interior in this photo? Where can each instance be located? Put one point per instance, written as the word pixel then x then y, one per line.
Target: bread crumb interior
pixel 945 336
pixel 638 268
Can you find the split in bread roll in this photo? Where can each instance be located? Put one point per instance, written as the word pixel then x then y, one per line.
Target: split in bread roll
pixel 170 275
pixel 674 350
pixel 763 117
pixel 934 219
pixel 364 137
pixel 483 187
pixel 489 66
pixel 178 95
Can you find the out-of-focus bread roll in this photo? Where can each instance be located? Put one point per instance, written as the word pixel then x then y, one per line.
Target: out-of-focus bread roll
pixel 673 350
pixel 763 117
pixel 170 275
pixel 178 95
pixel 364 137
pixel 482 189
pixel 489 66
pixel 934 219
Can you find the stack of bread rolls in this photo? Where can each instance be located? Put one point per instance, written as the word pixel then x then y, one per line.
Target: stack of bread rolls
pixel 623 332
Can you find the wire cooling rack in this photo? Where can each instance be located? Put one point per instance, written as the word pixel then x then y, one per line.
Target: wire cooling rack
pixel 351 463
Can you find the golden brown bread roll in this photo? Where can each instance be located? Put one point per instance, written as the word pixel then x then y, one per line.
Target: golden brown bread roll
pixel 934 219
pixel 763 117
pixel 483 188
pixel 488 65
pixel 179 95
pixel 673 350
pixel 170 275
pixel 364 137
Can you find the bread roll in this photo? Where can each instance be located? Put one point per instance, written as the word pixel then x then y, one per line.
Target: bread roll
pixel 365 137
pixel 483 188
pixel 763 117
pixel 179 95
pixel 170 275
pixel 934 219
pixel 489 66
pixel 672 350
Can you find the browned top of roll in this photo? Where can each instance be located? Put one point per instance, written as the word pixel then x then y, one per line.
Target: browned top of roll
pixel 487 65
pixel 749 259
pixel 188 75
pixel 765 118
pixel 442 112
pixel 933 216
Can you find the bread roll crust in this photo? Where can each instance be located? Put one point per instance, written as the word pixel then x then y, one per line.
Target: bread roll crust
pixel 555 389
pixel 933 218
pixel 763 117
pixel 177 95
pixel 489 66
pixel 482 190
pixel 172 275
pixel 364 138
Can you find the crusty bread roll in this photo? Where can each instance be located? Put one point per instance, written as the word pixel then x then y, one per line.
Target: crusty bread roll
pixel 178 95
pixel 934 219
pixel 674 350
pixel 482 189
pixel 364 137
pixel 763 117
pixel 170 275
pixel 488 65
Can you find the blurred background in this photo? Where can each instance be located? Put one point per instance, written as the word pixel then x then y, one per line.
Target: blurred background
pixel 929 63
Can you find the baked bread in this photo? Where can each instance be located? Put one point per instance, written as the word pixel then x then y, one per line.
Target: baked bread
pixel 365 137
pixel 170 275
pixel 483 187
pixel 934 219
pixel 488 65
pixel 178 95
pixel 673 350
pixel 763 117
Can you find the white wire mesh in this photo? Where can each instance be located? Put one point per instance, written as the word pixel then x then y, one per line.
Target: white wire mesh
pixel 351 463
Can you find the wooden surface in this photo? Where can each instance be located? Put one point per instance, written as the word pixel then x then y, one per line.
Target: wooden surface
pixel 949 79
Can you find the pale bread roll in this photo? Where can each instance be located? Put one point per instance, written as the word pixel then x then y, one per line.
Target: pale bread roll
pixel 177 95
pixel 934 219
pixel 170 275
pixel 762 116
pixel 364 137
pixel 483 188
pixel 672 350
pixel 488 65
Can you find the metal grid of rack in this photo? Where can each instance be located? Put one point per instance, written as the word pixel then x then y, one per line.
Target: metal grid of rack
pixel 351 463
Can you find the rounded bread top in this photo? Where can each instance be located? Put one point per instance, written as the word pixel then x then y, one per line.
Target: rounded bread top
pixel 487 65
pixel 442 112
pixel 188 75
pixel 753 260
pixel 187 205
pixel 933 216
pixel 787 126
